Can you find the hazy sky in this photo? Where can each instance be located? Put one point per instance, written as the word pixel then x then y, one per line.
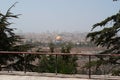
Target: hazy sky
pixel 59 15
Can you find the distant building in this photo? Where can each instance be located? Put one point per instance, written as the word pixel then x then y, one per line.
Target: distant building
pixel 58 38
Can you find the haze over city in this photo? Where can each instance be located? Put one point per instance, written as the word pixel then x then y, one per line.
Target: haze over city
pixel 59 15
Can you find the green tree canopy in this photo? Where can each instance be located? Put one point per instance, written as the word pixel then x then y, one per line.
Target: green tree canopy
pixel 9 41
pixel 109 35
pixel 7 37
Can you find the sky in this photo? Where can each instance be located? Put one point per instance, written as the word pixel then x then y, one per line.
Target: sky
pixel 59 15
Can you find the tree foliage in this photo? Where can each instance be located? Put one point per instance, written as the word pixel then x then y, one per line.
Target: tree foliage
pixel 9 41
pixel 52 47
pixel 7 36
pixel 65 64
pixel 108 37
pixel 47 63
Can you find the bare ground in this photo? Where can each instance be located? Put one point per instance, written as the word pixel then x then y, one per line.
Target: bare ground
pixel 17 77
pixel 4 75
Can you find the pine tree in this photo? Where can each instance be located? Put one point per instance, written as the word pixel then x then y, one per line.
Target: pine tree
pixel 66 64
pixel 7 37
pixel 9 42
pixel 108 37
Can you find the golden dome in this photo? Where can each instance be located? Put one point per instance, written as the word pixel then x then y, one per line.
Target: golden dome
pixel 58 38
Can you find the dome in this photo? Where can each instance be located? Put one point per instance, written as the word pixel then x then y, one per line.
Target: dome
pixel 58 38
